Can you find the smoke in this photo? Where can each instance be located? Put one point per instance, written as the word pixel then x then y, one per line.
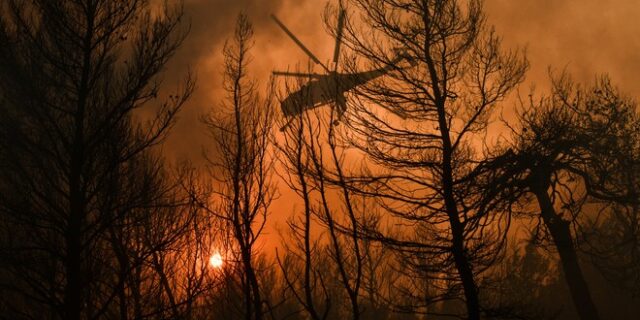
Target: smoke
pixel 587 37
pixel 211 23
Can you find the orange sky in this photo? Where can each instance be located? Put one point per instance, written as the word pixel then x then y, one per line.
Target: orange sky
pixel 587 37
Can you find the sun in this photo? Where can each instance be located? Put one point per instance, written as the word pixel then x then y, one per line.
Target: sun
pixel 216 261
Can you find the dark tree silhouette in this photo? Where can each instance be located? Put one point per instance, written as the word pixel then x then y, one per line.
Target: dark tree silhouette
pixel 575 153
pixel 73 75
pixel 300 264
pixel 422 128
pixel 242 164
pixel 314 157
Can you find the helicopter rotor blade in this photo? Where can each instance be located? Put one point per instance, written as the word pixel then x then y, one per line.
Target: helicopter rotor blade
pixel 297 74
pixel 298 42
pixel 336 51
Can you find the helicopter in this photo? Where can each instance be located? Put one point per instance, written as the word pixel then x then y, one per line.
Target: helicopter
pixel 328 88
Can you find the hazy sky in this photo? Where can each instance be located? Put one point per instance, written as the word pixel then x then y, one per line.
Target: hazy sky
pixel 588 37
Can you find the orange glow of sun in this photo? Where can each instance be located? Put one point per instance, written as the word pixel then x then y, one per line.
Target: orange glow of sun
pixel 216 261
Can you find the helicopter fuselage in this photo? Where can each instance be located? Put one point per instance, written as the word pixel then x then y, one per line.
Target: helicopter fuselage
pixel 326 89
pixel 331 87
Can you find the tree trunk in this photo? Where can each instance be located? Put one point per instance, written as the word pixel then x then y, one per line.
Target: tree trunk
pixel 561 235
pixel 457 228
pixel 73 262
pixel 73 290
pixel 466 274
pixel 254 288
pixel 458 248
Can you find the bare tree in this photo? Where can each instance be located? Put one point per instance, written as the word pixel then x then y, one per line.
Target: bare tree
pixel 574 152
pixel 74 75
pixel 152 246
pixel 242 165
pixel 300 265
pixel 336 208
pixel 422 127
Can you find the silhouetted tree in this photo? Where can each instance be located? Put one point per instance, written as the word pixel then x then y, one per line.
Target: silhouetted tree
pixel 74 75
pixel 575 152
pixel 423 128
pixel 301 262
pixel 614 247
pixel 337 210
pixel 242 164
pixel 155 263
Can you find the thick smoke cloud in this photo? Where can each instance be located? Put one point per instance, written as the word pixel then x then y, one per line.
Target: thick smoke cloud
pixel 587 37
pixel 211 23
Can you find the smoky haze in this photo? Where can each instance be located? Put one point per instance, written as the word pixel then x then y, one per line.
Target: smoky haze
pixel 211 23
pixel 587 38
